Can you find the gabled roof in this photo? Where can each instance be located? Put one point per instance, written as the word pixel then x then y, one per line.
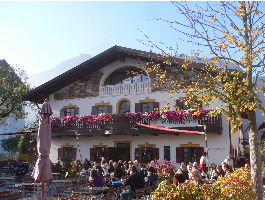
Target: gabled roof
pixel 114 53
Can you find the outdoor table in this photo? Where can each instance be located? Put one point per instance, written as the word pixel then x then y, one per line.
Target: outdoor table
pixel 7 178
pixel 63 181
pixel 87 191
pixel 56 175
pixel 22 185
pixel 40 198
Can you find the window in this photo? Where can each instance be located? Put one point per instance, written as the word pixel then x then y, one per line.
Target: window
pixel 69 111
pixel 146 107
pixel 166 152
pixel 181 105
pixel 67 153
pixel 124 107
pixel 190 154
pixel 127 75
pixel 146 154
pixel 102 109
pixel 97 153
pixel 96 110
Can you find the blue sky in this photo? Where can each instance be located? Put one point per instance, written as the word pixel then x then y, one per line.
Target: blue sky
pixel 39 35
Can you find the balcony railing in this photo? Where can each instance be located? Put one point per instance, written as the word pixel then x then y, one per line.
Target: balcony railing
pixel 124 89
pixel 127 121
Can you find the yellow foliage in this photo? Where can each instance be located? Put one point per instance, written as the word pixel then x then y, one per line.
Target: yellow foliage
pixel 214 19
pixel 237 186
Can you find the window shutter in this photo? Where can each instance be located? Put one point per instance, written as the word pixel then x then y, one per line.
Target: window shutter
pixel 92 154
pixel 137 154
pixel 179 154
pixel 94 110
pixel 179 105
pixel 74 152
pixel 155 153
pixel 167 153
pixel 199 152
pixel 76 111
pixel 156 105
pixel 138 107
pixel 62 114
pixel 109 108
pixel 60 153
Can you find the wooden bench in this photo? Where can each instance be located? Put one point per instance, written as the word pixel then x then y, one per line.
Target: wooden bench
pixel 14 196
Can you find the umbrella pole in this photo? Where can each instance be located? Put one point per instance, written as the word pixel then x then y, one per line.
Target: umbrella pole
pixel 42 189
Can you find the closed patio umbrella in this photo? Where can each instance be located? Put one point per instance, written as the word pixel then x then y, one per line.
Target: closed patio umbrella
pixel 42 171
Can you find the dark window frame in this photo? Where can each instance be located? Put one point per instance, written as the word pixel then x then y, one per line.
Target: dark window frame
pixel 127 76
pixel 146 154
pixel 68 153
pixel 182 106
pixel 69 111
pixel 102 109
pixel 124 109
pixel 190 154
pixel 167 155
pixel 148 108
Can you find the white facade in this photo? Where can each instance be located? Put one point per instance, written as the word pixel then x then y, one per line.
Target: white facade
pixel 218 144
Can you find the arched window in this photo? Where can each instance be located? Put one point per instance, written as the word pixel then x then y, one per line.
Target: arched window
pixel 127 75
pixel 124 107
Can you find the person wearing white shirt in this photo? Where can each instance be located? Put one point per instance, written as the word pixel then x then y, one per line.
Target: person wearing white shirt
pixel 229 160
pixel 203 162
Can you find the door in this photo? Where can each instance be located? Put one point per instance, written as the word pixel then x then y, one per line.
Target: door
pixel 123 151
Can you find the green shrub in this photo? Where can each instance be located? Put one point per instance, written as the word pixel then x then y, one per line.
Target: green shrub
pixel 237 186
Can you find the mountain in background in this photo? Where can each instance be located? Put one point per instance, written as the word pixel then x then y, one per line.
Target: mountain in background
pixel 40 78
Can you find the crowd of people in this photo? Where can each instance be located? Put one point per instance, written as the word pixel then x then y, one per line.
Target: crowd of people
pixel 137 176
pixel 111 173
pixel 200 173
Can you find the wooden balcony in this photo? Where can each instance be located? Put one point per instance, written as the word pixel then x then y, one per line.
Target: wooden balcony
pixel 121 124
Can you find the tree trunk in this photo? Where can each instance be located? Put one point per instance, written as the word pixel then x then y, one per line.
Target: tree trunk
pixel 255 156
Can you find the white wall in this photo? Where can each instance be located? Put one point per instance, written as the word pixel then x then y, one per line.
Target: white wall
pixel 217 144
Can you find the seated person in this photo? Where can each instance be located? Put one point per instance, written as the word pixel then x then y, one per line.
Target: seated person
pixel 184 171
pixel 178 179
pixel 118 171
pixel 135 181
pixel 219 172
pixel 227 169
pixel 152 176
pixel 96 178
pixel 195 176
